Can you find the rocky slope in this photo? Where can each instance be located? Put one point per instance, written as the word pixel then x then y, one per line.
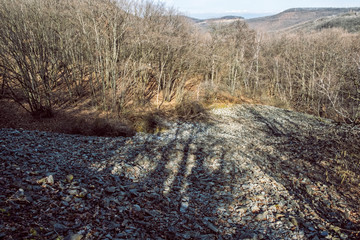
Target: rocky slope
pixel 250 172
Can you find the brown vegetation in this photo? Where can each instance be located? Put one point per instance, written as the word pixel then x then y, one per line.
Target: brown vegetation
pixel 128 58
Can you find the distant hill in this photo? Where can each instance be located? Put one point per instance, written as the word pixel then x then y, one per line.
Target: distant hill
pixel 348 21
pixel 298 16
pixel 222 20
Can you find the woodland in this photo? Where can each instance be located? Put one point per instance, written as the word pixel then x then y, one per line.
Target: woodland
pixel 125 59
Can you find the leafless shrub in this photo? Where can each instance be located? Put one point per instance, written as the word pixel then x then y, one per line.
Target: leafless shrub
pixel 148 122
pixel 231 55
pixel 190 110
pixel 100 127
pixel 118 53
pixel 313 72
pixel 29 49
pixel 128 54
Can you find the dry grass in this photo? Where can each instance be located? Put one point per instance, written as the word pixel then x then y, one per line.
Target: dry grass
pixel 148 122
pixel 82 121
pixel 100 127
pixel 86 120
pixel 189 110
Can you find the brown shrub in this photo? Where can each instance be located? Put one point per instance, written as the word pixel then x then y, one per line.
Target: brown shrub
pixel 190 110
pixel 100 127
pixel 148 122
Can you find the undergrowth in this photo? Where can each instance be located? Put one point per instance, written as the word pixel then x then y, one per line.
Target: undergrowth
pixel 100 127
pixel 190 110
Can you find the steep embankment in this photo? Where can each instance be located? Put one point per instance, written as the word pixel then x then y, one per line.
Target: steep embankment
pixel 249 172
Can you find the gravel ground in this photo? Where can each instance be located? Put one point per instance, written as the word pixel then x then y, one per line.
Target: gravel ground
pixel 251 172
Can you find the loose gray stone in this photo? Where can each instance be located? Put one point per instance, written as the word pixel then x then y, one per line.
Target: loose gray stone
pixel 74 237
pixel 262 216
pixel 137 208
pixel 73 192
pixel 60 227
pixel 324 233
pixel 251 169
pixel 110 189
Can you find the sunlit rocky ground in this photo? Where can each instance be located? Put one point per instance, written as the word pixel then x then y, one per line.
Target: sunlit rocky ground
pixel 248 172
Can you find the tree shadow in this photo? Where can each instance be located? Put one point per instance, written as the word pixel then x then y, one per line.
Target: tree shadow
pixel 300 152
pixel 174 185
pixel 180 185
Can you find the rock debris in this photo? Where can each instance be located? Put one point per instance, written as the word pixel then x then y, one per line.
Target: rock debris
pixel 251 172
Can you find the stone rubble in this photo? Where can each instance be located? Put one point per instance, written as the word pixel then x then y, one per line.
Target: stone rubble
pixel 251 172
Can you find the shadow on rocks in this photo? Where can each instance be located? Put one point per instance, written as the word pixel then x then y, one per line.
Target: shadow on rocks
pixel 303 158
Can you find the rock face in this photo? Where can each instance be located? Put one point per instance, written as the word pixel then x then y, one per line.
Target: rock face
pixel 254 172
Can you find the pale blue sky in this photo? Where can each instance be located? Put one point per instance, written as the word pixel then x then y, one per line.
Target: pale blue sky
pixel 214 8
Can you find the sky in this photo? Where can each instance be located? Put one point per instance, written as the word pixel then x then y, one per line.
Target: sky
pixel 250 8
